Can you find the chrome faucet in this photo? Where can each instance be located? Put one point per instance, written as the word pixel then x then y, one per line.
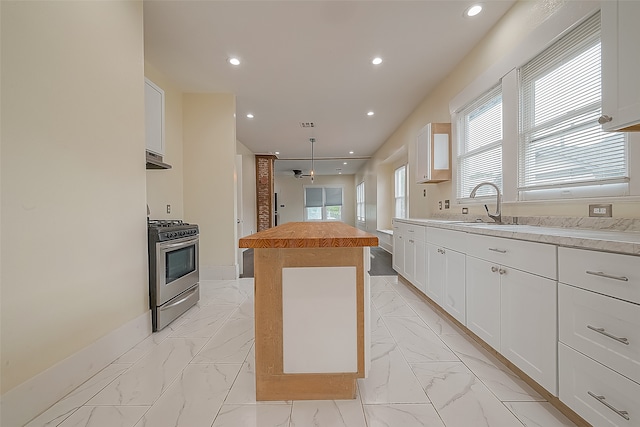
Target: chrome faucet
pixel 497 217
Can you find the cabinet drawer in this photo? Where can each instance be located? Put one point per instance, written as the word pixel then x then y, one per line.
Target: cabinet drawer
pixel 606 273
pixel 580 312
pixel 536 258
pixel 580 375
pixel 456 240
pixel 415 232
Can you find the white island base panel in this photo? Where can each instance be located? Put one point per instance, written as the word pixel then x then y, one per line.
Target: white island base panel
pixel 319 322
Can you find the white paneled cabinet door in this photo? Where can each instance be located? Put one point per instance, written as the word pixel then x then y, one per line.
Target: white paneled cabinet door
pixel 528 325
pixel 435 273
pixel 154 117
pixel 483 300
pixel 409 258
pixel 454 285
pixel 398 250
pixel 420 276
pixel 620 65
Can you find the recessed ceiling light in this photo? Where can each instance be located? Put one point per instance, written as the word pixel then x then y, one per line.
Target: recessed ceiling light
pixel 370 113
pixel 350 152
pixel 473 10
pixel 344 163
pixel 377 60
pixel 277 152
pixel 234 61
pixel 249 116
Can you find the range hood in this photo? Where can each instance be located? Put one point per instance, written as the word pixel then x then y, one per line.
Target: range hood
pixel 154 161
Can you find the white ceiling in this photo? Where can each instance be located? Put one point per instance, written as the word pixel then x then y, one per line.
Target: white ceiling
pixel 310 61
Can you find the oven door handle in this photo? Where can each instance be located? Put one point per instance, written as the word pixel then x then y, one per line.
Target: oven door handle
pixel 187 295
pixel 177 245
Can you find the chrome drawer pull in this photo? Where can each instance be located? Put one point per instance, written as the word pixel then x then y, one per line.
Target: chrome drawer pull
pixel 502 251
pixel 494 269
pixel 601 399
pixel 608 276
pixel 624 341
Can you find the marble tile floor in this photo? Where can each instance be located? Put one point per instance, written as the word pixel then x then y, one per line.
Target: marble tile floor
pixel 199 372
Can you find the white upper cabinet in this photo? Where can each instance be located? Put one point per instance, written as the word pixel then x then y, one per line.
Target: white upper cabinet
pixel 154 117
pixel 620 66
pixel 433 153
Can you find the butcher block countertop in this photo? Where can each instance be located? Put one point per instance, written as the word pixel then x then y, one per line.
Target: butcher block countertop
pixel 310 235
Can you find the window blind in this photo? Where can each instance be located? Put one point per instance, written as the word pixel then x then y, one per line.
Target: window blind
pixel 480 144
pixel 333 196
pixel 313 197
pixel 561 143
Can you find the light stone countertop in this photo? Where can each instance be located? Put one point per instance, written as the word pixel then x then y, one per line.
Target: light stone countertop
pixel 625 242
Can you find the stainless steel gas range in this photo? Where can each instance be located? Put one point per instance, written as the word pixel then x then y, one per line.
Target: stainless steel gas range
pixel 173 269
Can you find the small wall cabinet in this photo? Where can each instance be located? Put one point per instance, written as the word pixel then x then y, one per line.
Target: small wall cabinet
pixel 620 66
pixel 154 117
pixel 433 153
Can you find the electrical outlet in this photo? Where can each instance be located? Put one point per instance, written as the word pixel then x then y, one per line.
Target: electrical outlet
pixel 600 210
pixel 465 210
pixel 440 205
pixel 168 208
pixel 424 193
pixel 446 204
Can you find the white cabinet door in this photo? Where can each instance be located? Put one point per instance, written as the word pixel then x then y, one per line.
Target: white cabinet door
pixel 433 153
pixel 528 335
pixel 154 117
pixel 483 300
pixel 454 285
pixel 409 258
pixel 435 273
pixel 620 65
pixel 420 262
pixel 398 250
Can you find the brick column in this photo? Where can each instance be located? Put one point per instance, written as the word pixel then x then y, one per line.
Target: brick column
pixel 264 190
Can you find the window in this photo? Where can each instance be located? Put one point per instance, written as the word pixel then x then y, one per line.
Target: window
pixel 360 202
pixel 480 144
pixel 562 150
pixel 322 203
pixel 400 192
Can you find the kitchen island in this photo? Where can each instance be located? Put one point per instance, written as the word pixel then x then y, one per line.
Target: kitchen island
pixel 312 302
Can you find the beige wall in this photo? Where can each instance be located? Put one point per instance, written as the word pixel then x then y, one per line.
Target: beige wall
pixel 506 37
pixel 209 150
pixel 74 246
pixel 291 194
pixel 164 187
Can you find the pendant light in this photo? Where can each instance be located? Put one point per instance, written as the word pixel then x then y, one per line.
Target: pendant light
pixel 312 140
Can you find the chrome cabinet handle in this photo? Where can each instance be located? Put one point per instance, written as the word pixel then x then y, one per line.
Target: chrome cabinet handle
pixel 502 271
pixel 601 399
pixel 604 119
pixel 624 341
pixel 502 251
pixel 494 269
pixel 410 241
pixel 441 251
pixel 608 276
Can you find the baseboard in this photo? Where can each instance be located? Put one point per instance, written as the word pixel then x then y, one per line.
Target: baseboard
pixel 29 399
pixel 219 272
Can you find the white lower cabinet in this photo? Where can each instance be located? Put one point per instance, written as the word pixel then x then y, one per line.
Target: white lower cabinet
pixel 420 275
pixel 515 311
pixel 454 298
pixel 528 320
pixel 596 393
pixel 435 273
pixel 398 248
pixel 483 300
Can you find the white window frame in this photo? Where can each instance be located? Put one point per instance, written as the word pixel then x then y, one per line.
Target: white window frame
pixel 464 153
pixel 360 203
pixel 400 198
pixel 324 207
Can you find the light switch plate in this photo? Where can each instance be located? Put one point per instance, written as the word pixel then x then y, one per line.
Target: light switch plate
pixel 602 211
